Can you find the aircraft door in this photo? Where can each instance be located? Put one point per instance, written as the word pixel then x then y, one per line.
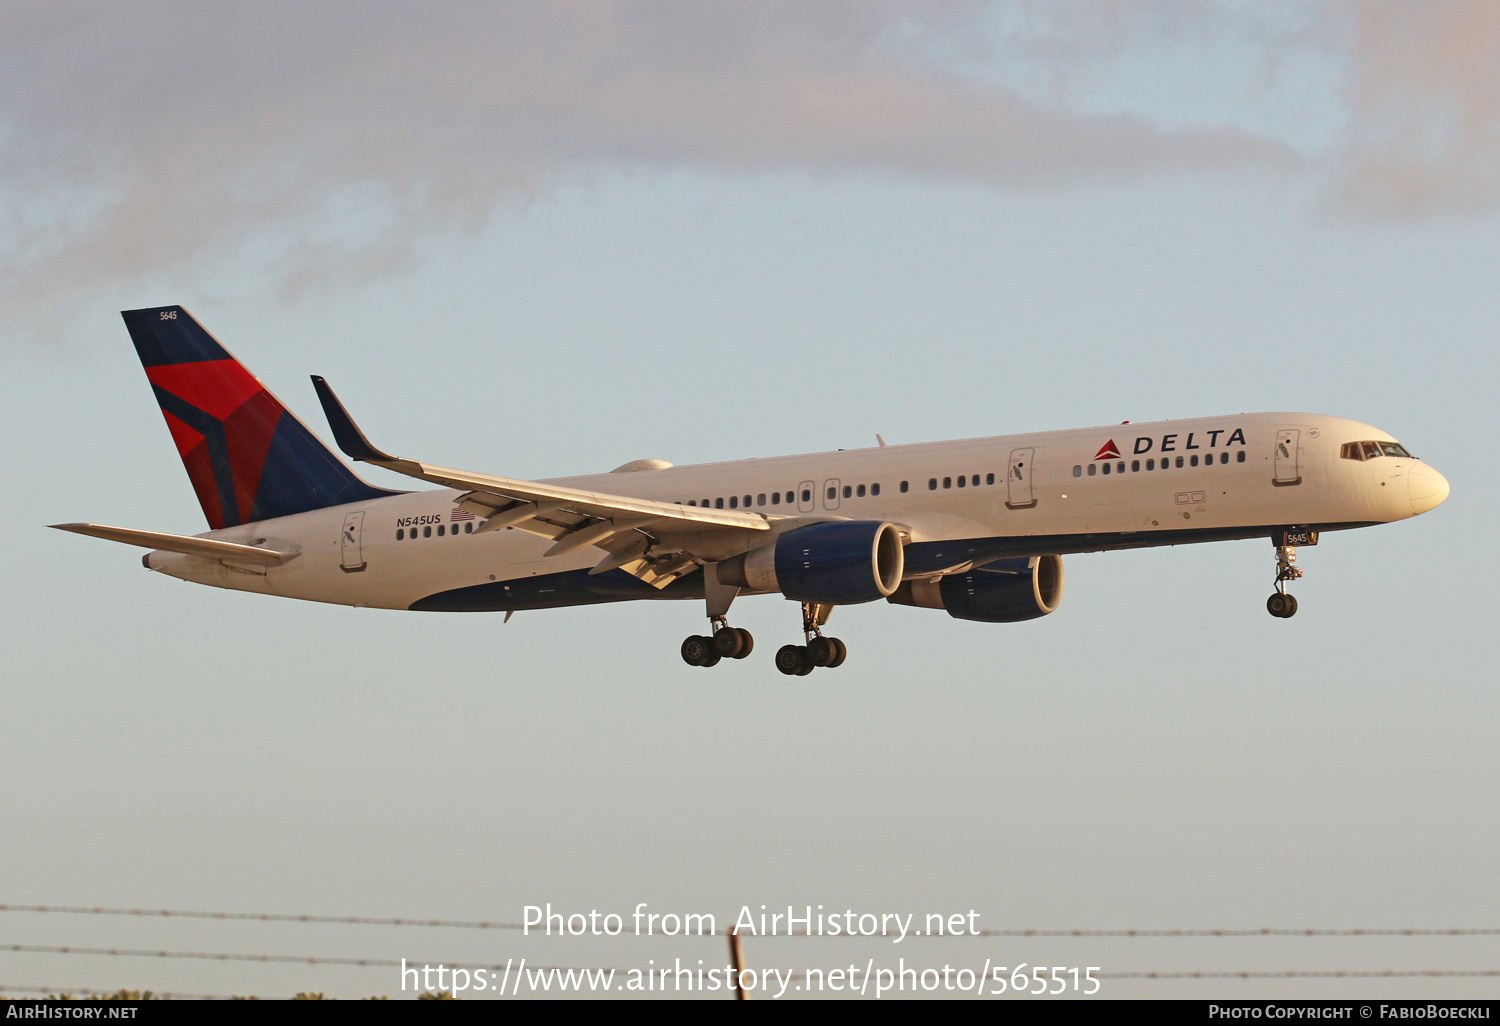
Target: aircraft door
pixel 831 493
pixel 805 497
pixel 352 544
pixel 1288 469
pixel 1018 480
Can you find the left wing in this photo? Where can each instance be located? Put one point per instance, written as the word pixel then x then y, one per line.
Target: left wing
pixel 633 531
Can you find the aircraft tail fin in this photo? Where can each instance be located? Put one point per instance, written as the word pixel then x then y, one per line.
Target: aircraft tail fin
pixel 247 456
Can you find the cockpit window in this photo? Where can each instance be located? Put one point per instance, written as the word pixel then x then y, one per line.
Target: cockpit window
pixel 1372 450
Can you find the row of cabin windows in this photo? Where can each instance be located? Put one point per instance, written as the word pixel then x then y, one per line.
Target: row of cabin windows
pixel 1166 463
pixel 962 480
pixel 402 533
pixel 849 492
pixel 760 500
pixel 736 501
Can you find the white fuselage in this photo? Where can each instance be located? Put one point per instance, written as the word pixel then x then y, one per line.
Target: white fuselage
pixel 1035 495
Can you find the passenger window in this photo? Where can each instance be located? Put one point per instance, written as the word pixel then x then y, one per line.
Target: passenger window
pixel 975 482
pixel 469 528
pixel 1179 463
pixel 1223 458
pixel 1091 469
pixel 848 491
pixel 875 488
pixel 1239 457
pixel 747 502
pixel 1150 464
pixel 427 532
pixel 718 504
pixel 807 495
pixel 860 491
pixel 903 486
pixel 776 498
pixel 734 501
pixel 1135 465
pixel 1077 470
pixel 1193 461
pixel 947 482
pixel 989 479
pixel 760 500
pixel 692 502
pixel 932 484
pixel 1106 468
pixel 400 534
pixel 440 530
pixel 962 481
pixel 1120 466
pixel 832 494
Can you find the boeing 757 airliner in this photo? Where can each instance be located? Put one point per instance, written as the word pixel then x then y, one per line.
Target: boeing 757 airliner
pixel 976 527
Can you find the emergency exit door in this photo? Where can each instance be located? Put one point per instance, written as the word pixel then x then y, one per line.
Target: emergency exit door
pixel 352 544
pixel 1018 484
pixel 1287 459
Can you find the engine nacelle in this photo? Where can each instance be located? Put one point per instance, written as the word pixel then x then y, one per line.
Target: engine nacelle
pixel 1005 591
pixel 840 562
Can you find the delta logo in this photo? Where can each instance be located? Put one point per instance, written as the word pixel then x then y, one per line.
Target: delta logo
pixel 1174 443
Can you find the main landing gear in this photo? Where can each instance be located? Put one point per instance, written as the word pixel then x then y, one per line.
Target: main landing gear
pixel 1280 603
pixel 799 660
pixel 725 642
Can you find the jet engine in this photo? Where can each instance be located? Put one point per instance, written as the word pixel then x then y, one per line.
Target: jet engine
pixel 1005 591
pixel 838 563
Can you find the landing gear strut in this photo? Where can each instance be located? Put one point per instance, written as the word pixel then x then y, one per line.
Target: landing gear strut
pixel 799 660
pixel 1280 603
pixel 725 642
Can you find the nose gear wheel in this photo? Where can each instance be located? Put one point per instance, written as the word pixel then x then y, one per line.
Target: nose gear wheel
pixel 1281 604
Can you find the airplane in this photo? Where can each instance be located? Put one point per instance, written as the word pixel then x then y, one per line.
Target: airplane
pixel 976 527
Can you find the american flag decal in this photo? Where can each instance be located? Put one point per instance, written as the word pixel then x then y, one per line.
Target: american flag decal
pixel 459 514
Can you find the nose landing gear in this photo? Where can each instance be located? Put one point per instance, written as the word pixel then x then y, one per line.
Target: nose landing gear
pixel 1280 603
pixel 799 660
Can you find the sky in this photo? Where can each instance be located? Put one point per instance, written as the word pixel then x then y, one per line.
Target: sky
pixel 542 239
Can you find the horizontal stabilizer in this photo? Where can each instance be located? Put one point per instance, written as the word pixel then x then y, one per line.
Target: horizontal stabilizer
pixel 209 548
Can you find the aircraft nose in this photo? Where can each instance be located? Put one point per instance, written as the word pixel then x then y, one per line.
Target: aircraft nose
pixel 1426 488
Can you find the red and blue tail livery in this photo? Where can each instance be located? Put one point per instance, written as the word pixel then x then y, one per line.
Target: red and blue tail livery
pixel 249 458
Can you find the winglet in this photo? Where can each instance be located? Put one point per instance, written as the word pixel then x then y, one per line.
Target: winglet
pixel 347 433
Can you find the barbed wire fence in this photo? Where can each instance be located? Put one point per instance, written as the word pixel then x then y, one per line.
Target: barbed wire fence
pixel 788 975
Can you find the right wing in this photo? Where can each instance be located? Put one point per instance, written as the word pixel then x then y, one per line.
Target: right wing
pixel 628 529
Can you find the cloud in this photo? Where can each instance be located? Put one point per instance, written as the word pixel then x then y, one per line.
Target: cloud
pixel 142 137
pixel 1425 108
